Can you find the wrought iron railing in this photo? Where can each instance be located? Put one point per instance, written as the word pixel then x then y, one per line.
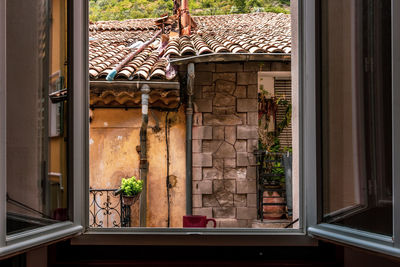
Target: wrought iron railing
pixel 274 185
pixel 106 210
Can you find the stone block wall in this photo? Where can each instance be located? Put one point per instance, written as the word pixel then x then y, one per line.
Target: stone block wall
pixel 224 138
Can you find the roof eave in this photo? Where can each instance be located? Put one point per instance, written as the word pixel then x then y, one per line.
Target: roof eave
pixel 229 57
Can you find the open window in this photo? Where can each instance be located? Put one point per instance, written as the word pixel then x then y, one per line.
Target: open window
pixel 43 95
pixel 354 67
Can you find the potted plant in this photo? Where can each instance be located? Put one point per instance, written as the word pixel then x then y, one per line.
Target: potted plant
pixel 130 190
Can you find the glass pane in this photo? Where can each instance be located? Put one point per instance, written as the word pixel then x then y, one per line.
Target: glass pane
pixel 231 164
pixel 36 117
pixel 356 114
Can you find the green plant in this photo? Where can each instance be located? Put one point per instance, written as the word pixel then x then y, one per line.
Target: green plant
pixel 131 186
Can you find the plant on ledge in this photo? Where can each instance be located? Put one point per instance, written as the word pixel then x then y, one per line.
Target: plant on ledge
pixel 130 190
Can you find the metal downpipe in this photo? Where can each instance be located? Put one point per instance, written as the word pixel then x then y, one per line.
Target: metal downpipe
pixel 189 126
pixel 144 165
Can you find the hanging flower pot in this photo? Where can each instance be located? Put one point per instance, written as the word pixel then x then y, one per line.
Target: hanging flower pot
pixel 130 200
pixel 130 190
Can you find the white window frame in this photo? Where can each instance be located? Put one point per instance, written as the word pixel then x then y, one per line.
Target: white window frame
pixel 23 241
pixel 340 234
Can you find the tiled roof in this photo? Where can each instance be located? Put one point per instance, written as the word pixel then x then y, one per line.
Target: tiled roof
pixel 110 42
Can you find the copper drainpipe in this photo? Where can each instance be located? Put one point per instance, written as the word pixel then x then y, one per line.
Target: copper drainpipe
pixel 185 18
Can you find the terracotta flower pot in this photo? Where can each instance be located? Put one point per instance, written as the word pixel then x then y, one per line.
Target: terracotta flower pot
pixel 130 200
pixel 277 209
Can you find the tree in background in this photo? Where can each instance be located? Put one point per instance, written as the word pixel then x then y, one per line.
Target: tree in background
pixel 132 9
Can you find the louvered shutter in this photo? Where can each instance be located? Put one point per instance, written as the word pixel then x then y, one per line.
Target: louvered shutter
pixel 283 89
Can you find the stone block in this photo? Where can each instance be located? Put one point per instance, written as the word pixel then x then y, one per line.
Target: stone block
pixel 225 151
pixel 203 78
pixel 218 164
pixel 246 187
pixel 218 133
pixel 212 174
pixel 223 100
pixel 252 159
pixel 218 185
pixel 225 87
pixel 235 173
pixel 240 200
pixel 210 201
pixel 247 105
pixel 246 78
pixel 203 212
pixel 202 187
pixel 219 120
pixel 227 223
pixel 230 186
pixel 247 132
pixel 196 145
pixel 242 159
pixel 224 110
pixel 252 66
pixel 252 118
pixel 202 132
pixel 211 146
pixel 230 134
pixel 229 163
pixel 252 91
pixel 246 213
pixel 202 160
pixel 197 174
pixel 243 117
pixel 229 67
pixel 197 201
pixel 205 67
pixel 225 198
pixel 241 91
pixel 197 119
pixel 251 173
pixel 252 200
pixel 252 144
pixel 230 77
pixel 280 66
pixel 224 212
pixel 241 146
pixel 203 105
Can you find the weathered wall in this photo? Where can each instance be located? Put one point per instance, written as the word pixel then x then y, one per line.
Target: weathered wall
pixel 224 137
pixel 114 135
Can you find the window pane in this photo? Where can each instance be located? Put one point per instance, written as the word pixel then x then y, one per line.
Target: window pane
pixel 36 143
pixel 356 114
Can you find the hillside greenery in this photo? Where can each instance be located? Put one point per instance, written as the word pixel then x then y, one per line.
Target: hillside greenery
pixel 132 9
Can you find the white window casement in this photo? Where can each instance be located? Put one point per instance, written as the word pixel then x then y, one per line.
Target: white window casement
pixel 312 102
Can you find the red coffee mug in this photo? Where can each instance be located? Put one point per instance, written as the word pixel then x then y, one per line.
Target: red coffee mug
pixel 197 221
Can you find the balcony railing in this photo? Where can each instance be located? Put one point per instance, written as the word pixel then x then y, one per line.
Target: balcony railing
pixel 274 185
pixel 107 210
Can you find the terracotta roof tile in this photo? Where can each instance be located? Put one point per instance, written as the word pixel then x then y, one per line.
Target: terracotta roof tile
pixel 111 41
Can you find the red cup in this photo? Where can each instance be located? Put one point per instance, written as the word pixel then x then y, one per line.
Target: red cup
pixel 197 221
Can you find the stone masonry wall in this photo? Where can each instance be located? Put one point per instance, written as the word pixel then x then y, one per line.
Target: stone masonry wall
pixel 224 137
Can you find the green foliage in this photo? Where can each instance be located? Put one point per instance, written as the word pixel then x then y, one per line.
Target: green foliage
pixel 131 186
pixel 133 9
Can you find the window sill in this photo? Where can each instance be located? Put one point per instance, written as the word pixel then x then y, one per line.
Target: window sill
pixel 193 237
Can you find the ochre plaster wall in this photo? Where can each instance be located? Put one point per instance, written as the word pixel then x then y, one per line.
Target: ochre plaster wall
pixel 114 136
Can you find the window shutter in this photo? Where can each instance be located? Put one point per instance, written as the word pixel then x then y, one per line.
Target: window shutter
pixel 283 90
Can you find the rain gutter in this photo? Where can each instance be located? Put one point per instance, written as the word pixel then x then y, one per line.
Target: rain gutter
pixel 144 164
pixel 133 85
pixel 189 125
pixel 229 57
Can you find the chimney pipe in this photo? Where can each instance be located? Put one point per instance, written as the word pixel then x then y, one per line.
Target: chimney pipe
pixel 185 18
